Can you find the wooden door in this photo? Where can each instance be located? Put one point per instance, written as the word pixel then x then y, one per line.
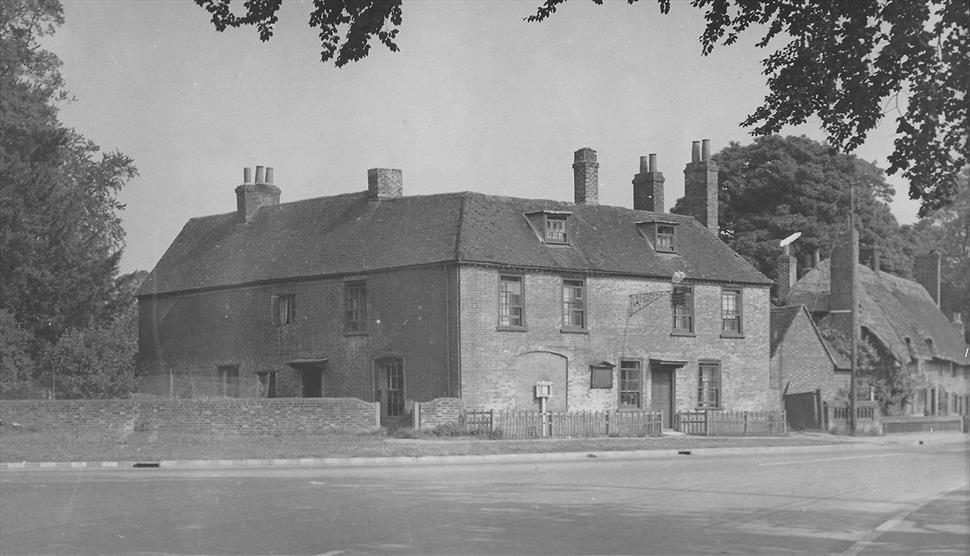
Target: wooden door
pixel 662 394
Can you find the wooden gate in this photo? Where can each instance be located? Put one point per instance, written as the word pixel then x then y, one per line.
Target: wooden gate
pixel 803 411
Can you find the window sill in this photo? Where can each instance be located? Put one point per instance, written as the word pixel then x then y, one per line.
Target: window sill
pixel 684 333
pixel 732 335
pixel 501 328
pixel 574 330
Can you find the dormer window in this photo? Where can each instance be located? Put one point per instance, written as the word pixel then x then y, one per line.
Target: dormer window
pixel 662 236
pixel 556 228
pixel 550 226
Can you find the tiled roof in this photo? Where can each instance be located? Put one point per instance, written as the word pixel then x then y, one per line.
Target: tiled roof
pixel 347 234
pixel 893 309
pixel 782 319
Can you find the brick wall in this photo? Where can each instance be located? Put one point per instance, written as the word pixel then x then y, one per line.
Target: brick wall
pixel 439 411
pixel 801 364
pixel 226 416
pixel 183 339
pixel 490 357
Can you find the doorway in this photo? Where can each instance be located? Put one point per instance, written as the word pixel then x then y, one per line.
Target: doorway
pixel 662 390
pixel 311 376
pixel 390 386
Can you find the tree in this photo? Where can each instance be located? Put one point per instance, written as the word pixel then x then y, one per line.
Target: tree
pixel 947 231
pixel 60 233
pixel 777 185
pixel 847 62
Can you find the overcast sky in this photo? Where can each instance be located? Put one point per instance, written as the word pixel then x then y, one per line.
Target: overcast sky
pixel 476 100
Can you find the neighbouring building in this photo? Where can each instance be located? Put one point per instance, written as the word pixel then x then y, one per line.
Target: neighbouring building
pixel 395 298
pixel 801 359
pixel 901 318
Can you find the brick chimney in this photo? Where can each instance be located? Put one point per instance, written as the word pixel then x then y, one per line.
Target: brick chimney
pixel 870 257
pixel 958 324
pixel 251 196
pixel 844 257
pixel 586 177
pixel 927 272
pixel 384 183
pixel 648 186
pixel 700 184
pixel 787 276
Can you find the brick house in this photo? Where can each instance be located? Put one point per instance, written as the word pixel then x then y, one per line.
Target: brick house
pixel 900 317
pixel 801 359
pixel 394 298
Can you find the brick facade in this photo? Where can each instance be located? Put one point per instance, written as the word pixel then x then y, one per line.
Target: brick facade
pixel 802 364
pixel 185 338
pixel 499 366
pixel 227 416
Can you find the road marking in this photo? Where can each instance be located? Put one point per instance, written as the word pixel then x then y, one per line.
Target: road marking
pixel 828 459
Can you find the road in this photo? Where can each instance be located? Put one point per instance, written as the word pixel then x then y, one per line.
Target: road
pixel 877 500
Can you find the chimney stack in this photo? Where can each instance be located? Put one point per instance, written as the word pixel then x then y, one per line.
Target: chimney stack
pixel 384 183
pixel 786 274
pixel 586 177
pixel 842 265
pixel 700 185
pixel 927 272
pixel 648 185
pixel 870 257
pixel 958 325
pixel 251 196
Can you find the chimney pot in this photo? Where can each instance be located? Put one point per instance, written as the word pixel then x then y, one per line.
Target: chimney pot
pixel 251 196
pixel 695 151
pixel 648 186
pixel 269 175
pixel 260 174
pixel 585 177
pixel 247 175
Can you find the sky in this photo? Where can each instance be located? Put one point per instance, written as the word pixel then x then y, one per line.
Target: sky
pixel 475 100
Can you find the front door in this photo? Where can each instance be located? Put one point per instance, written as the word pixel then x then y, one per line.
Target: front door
pixel 390 386
pixel 662 393
pixel 312 379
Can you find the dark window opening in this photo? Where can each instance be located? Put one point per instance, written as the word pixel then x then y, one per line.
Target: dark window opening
pixel 355 305
pixel 283 309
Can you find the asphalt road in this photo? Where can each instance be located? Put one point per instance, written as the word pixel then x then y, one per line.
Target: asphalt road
pixel 879 500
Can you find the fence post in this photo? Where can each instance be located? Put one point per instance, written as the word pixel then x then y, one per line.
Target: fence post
pixel 745 423
pixel 416 416
pixel 607 422
pixel 491 420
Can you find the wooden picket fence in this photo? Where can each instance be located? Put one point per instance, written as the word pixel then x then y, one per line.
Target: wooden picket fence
pixel 561 424
pixel 709 422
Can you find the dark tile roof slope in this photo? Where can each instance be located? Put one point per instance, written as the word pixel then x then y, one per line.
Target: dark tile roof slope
pixel 346 234
pixel 893 309
pixel 782 319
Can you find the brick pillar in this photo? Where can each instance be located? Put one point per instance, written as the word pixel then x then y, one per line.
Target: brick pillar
pixel 700 185
pixel 648 186
pixel 586 177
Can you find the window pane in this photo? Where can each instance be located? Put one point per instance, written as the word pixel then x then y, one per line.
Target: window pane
pixel 630 383
pixel 574 304
pixel 510 301
pixel 731 311
pixel 709 385
pixel 683 308
pixel 556 229
pixel 665 238
pixel 355 302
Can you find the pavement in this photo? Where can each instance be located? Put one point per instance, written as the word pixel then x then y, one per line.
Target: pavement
pixel 915 439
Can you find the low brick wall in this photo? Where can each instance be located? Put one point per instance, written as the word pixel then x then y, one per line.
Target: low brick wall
pixel 437 412
pixel 930 423
pixel 226 416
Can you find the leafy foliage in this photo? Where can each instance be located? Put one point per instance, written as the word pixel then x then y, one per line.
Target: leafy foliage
pixel 845 62
pixel 780 185
pixel 891 385
pixel 345 26
pixel 60 233
pixel 947 231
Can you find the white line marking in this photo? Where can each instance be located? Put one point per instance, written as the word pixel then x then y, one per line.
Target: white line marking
pixel 829 459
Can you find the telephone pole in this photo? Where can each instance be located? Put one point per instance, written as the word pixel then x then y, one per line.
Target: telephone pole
pixel 854 249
